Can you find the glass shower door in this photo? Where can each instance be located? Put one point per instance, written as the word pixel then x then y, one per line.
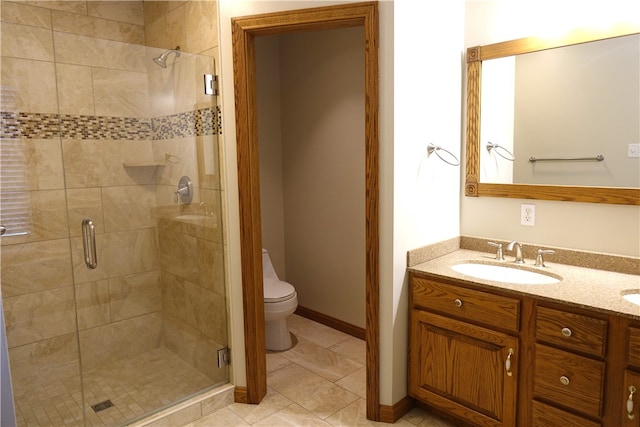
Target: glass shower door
pixel 95 129
pixel 157 340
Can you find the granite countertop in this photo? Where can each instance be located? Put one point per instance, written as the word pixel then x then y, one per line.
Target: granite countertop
pixel 582 287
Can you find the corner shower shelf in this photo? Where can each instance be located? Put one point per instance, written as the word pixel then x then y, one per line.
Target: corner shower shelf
pixel 143 164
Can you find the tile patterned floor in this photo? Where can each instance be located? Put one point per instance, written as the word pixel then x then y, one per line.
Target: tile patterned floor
pixel 135 386
pixel 318 382
pixel 140 385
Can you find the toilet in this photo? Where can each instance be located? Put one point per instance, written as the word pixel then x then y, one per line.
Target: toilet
pixel 280 300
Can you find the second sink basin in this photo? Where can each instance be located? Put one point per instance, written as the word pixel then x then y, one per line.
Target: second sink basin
pixel 632 296
pixel 504 273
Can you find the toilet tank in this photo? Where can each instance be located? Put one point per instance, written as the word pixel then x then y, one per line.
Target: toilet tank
pixel 268 273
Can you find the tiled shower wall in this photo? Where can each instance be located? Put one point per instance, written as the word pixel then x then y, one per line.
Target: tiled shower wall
pixel 81 97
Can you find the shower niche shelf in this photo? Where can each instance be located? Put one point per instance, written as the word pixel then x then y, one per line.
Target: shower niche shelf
pixel 143 164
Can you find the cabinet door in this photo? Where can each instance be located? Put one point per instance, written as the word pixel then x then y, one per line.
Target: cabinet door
pixel 631 407
pixel 466 370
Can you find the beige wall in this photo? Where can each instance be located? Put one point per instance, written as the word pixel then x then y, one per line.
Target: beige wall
pixel 324 176
pixel 584 226
pixel 270 150
pixel 320 200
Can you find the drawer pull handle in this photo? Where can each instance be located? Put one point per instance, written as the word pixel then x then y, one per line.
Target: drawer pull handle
pixel 507 363
pixel 566 332
pixel 458 302
pixel 630 413
pixel 564 380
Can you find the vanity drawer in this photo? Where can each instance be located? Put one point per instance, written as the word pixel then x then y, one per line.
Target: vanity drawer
pixel 571 331
pixel 570 380
pixel 634 347
pixel 549 416
pixel 466 304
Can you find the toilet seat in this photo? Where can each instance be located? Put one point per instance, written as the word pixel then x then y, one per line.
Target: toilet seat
pixel 278 291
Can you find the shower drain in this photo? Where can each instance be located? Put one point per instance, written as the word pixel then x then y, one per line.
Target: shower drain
pixel 102 406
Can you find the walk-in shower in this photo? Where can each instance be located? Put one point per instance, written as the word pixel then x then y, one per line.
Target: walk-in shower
pixel 92 130
pixel 161 60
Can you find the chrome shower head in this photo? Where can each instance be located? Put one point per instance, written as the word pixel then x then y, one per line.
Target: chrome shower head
pixel 162 59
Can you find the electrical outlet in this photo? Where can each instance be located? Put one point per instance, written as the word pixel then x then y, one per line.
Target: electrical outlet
pixel 633 150
pixel 528 215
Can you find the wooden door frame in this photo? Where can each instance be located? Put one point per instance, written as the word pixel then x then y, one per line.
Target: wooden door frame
pixel 244 31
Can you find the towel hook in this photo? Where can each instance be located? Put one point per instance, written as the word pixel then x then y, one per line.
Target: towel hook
pixel 436 149
pixel 501 151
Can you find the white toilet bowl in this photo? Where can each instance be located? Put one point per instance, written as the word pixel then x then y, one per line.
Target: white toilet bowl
pixel 280 300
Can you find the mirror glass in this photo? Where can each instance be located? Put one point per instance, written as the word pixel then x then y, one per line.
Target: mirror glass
pixel 558 106
pixel 555 119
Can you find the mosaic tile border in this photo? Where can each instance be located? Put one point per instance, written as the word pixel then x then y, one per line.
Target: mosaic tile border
pixel 16 125
pixel 192 123
pixel 29 125
pixel 100 127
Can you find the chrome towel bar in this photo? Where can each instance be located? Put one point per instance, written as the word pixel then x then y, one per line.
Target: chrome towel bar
pixel 597 158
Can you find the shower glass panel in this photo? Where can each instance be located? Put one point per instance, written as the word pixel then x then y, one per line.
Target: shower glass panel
pixel 95 129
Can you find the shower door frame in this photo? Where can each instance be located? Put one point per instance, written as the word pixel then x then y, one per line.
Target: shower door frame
pixel 244 30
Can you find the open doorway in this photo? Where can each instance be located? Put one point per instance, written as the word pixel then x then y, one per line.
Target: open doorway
pixel 310 95
pixel 245 29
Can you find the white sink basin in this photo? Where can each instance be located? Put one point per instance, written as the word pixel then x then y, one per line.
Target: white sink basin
pixel 504 273
pixel 633 297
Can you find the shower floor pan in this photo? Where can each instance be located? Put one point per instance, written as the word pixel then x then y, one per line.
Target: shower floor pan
pixel 137 386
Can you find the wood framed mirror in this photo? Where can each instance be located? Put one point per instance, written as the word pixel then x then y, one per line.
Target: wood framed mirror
pixel 474 185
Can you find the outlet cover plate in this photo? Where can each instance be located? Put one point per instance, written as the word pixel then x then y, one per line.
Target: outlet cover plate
pixel 528 214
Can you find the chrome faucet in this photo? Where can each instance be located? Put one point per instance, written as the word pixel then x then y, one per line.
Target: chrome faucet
pixel 184 191
pixel 519 259
pixel 498 247
pixel 540 256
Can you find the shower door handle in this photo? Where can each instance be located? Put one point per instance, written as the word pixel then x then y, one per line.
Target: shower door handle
pixel 89 243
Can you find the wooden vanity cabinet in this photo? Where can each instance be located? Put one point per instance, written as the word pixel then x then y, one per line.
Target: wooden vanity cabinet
pixel 462 360
pixel 567 366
